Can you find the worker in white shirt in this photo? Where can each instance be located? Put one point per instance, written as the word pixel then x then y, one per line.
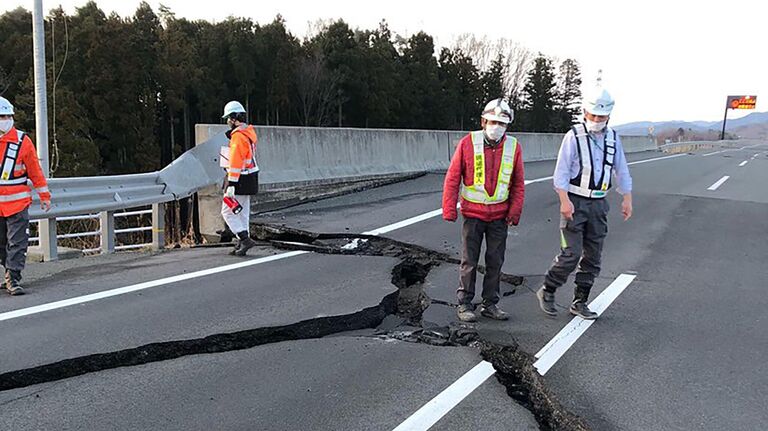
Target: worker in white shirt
pixel 591 157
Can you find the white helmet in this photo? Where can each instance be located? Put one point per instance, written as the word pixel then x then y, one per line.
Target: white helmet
pixel 498 110
pixel 598 102
pixel 233 107
pixel 5 107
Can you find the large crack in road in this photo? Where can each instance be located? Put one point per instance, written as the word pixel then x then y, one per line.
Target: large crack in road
pixel 513 365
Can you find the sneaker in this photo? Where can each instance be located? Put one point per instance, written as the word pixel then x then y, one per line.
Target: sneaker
pixel 12 285
pixel 494 312
pixel 546 302
pixel 466 313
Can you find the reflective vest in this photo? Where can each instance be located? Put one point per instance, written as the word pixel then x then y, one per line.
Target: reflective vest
pixel 476 193
pixel 19 165
pixel 585 184
pixel 241 153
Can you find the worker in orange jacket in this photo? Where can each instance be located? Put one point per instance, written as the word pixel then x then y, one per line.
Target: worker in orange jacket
pixel 19 166
pixel 242 176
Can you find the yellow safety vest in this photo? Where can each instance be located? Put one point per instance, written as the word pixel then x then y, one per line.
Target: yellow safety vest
pixel 476 193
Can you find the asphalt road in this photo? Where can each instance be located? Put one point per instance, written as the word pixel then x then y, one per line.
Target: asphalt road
pixel 682 347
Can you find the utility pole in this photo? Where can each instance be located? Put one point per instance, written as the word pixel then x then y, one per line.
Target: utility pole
pixel 41 98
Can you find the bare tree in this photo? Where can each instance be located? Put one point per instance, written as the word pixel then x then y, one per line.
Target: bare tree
pixel 317 89
pixel 517 59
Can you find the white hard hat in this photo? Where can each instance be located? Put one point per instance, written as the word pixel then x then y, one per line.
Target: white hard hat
pixel 233 107
pixel 598 102
pixel 5 107
pixel 498 110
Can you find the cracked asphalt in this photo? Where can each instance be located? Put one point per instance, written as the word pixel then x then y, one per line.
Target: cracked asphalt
pixel 682 348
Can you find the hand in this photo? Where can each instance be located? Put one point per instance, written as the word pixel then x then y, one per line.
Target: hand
pixel 511 222
pixel 45 205
pixel 230 192
pixel 450 219
pixel 626 208
pixel 566 208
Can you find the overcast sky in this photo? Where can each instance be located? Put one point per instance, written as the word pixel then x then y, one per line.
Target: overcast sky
pixel 662 60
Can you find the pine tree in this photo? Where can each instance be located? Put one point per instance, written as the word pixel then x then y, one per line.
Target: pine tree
pixel 538 97
pixel 461 88
pixel 568 96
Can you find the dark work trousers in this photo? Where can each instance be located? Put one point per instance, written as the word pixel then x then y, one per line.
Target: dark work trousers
pixel 14 238
pixel 472 234
pixel 581 244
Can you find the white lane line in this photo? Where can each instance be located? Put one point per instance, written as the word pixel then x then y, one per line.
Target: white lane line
pixel 141 286
pixel 431 412
pixel 175 279
pixel 743 163
pixel 557 346
pixel 439 406
pixel 712 154
pixel 404 223
pixel 655 159
pixel 719 183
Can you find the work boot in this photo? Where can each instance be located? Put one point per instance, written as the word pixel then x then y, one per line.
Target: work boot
pixel 494 312
pixel 546 301
pixel 245 244
pixel 579 305
pixel 466 313
pixel 13 283
pixel 233 252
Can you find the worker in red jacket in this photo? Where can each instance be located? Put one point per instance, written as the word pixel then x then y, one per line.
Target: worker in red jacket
pixel 487 171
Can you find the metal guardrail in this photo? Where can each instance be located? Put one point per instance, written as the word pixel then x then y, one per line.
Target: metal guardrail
pixel 124 214
pixel 101 197
pixel 691 145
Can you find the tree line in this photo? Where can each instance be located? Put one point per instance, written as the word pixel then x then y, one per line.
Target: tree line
pixel 124 93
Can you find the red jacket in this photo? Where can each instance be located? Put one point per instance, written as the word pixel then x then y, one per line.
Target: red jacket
pixel 462 168
pixel 14 198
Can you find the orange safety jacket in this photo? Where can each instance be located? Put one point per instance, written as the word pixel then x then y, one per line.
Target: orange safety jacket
pixel 242 153
pixel 19 164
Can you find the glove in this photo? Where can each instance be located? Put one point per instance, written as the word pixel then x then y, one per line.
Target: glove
pixel 229 192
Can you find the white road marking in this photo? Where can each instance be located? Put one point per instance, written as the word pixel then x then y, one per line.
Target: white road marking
pixel 655 159
pixel 729 149
pixel 716 152
pixel 141 286
pixel 431 412
pixel 404 223
pixel 425 417
pixel 557 346
pixel 175 279
pixel 743 163
pixel 719 183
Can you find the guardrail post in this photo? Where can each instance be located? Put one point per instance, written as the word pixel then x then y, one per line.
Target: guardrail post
pixel 48 242
pixel 107 222
pixel 158 226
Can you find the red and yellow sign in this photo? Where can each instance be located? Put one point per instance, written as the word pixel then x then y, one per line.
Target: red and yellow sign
pixel 742 102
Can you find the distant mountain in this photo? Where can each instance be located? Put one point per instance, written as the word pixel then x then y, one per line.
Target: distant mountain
pixel 753 124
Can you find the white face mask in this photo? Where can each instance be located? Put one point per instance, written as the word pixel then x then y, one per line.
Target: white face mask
pixel 494 133
pixel 6 125
pixel 595 127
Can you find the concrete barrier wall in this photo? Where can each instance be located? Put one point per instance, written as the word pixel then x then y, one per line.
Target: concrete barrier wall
pixel 301 154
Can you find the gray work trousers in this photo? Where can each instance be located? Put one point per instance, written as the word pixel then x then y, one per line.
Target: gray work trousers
pixel 581 244
pixel 14 238
pixel 472 234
